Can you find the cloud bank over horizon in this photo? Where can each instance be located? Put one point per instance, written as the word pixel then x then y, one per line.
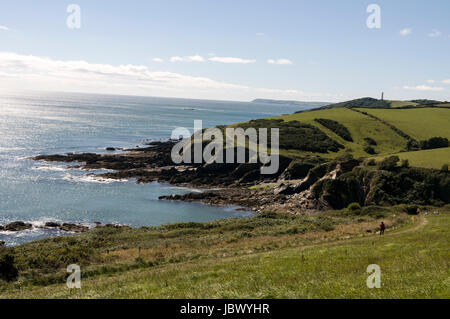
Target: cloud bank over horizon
pixel 21 72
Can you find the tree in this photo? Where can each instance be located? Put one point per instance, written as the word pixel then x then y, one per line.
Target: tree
pixel 8 269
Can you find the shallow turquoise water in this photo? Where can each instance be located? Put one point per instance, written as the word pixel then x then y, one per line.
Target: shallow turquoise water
pixel 49 123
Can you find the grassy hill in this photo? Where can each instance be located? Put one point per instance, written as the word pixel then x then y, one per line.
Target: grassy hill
pixel 360 127
pixel 419 123
pixel 376 132
pixel 368 102
pixel 395 104
pixel 362 102
pixel 270 261
pixel 435 158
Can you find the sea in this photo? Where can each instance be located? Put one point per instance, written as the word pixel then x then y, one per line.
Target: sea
pixel 58 123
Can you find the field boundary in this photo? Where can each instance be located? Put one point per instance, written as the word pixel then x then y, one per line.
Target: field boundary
pixel 395 129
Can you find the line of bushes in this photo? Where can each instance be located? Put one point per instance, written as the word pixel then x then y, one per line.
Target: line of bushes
pixel 432 143
pixel 297 136
pixel 336 127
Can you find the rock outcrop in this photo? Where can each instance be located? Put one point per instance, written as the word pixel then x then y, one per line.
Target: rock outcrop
pixel 297 187
pixel 17 226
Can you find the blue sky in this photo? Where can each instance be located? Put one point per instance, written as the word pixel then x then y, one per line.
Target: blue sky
pixel 320 50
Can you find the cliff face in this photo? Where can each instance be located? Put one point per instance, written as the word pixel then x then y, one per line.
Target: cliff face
pixel 337 184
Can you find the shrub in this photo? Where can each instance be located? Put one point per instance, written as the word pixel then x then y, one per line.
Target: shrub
pixel 405 163
pixel 444 168
pixel 337 128
pixel 354 206
pixel 434 142
pixel 412 145
pixel 371 162
pixel 410 209
pixel 389 163
pixel 297 136
pixel 376 211
pixel 298 169
pixel 370 141
pixel 8 269
pixel 369 150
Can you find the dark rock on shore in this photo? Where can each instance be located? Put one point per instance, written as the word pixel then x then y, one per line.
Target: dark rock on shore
pixel 154 163
pixel 52 224
pixel 68 227
pixel 247 199
pixel 112 226
pixel 17 226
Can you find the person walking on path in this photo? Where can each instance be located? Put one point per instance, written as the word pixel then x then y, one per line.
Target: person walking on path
pixel 382 228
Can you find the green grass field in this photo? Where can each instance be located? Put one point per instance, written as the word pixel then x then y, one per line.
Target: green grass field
pixel 395 104
pixel 420 123
pixel 414 263
pixel 426 158
pixel 360 127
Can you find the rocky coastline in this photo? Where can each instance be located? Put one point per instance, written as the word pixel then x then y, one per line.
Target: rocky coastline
pixel 300 186
pixel 227 184
pixel 66 227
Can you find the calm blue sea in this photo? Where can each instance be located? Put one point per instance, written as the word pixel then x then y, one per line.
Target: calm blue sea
pixel 49 123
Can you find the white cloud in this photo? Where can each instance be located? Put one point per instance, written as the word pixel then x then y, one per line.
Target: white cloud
pixel 19 71
pixel 279 61
pixel 196 58
pixel 4 28
pixel 230 60
pixel 431 81
pixel 405 31
pixel 422 88
pixel 159 60
pixel 192 58
pixel 434 33
pixel 446 81
pixel 259 34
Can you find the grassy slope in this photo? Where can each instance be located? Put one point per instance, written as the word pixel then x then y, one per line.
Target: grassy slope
pixel 421 123
pixel 414 264
pixel 426 158
pixel 359 125
pixel 395 104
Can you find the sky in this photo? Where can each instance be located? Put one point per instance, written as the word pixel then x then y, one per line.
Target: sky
pixel 323 50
